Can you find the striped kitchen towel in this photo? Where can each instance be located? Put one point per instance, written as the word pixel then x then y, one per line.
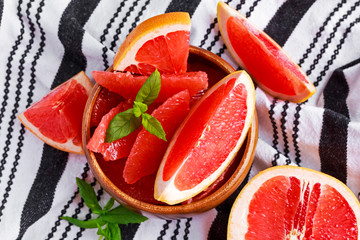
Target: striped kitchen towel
pixel 43 43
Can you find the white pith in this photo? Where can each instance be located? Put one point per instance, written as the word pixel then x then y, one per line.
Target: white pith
pixel 238 226
pixel 129 58
pixel 68 146
pixel 166 191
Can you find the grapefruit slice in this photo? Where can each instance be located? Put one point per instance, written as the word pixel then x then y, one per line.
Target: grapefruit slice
pixel 271 68
pixel 128 85
pixel 116 149
pixel 288 202
pixel 148 150
pixel 207 140
pixel 56 119
pixel 160 42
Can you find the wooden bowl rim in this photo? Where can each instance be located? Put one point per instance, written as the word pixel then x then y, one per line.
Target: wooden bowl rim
pixel 202 205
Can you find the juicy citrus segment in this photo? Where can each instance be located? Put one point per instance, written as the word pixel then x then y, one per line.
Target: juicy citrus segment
pixel 289 202
pixel 116 149
pixel 160 42
pixel 207 140
pixel 56 119
pixel 103 104
pixel 272 69
pixel 128 85
pixel 148 150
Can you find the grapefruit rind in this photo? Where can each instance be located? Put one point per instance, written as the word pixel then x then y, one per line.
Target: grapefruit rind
pixel 68 146
pixel 238 226
pixel 166 191
pixel 304 90
pixel 151 28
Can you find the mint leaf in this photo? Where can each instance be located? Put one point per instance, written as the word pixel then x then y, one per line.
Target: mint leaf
pixel 153 126
pixel 109 205
pixel 122 125
pixel 92 223
pixel 123 215
pixel 114 231
pixel 139 108
pixel 89 196
pixel 149 91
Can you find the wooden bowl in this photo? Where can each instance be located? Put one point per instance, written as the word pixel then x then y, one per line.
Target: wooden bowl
pixel 199 59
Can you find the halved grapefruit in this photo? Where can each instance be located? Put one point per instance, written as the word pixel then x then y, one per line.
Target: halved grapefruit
pixel 271 68
pixel 160 42
pixel 288 202
pixel 128 85
pixel 148 150
pixel 56 119
pixel 207 140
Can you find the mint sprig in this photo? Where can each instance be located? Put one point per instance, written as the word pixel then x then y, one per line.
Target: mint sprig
pixel 128 121
pixel 110 218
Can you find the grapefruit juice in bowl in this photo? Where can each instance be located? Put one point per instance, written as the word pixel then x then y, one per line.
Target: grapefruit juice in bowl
pixel 140 195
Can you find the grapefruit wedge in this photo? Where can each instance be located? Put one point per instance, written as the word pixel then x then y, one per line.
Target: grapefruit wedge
pixel 56 119
pixel 271 68
pixel 208 139
pixel 128 85
pixel 288 202
pixel 160 42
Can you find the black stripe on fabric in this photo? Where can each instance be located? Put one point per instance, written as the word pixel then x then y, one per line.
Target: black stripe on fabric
pixel 121 25
pixel 137 18
pixel 329 39
pixel 334 132
pixel 176 231
pixel 165 228
pixel 286 18
pixel 71 32
pixel 1 10
pixel 295 134
pixel 8 69
pixel 41 194
pixel 214 22
pixel 318 34
pixel 84 175
pixel 187 228
pixel 336 52
pixel 351 64
pixel 217 230
pixel 275 141
pixel 53 161
pixel 106 32
pixel 14 113
pixel 283 131
pixel 183 6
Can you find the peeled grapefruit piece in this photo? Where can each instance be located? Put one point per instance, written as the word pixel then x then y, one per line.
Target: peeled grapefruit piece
pixel 271 68
pixel 56 119
pixel 288 202
pixel 207 140
pixel 148 149
pixel 116 149
pixel 103 104
pixel 160 42
pixel 128 85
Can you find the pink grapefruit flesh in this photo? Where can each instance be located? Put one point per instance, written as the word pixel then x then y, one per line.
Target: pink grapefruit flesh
pixel 148 150
pixel 128 85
